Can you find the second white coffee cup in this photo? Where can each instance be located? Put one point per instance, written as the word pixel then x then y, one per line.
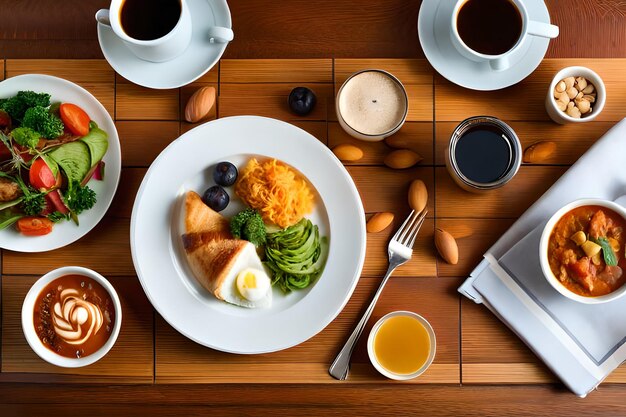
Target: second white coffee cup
pixel 500 62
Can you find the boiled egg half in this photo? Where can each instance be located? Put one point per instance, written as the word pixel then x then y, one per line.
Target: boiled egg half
pixel 247 284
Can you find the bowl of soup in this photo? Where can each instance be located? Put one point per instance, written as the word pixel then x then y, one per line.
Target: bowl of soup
pixel 71 317
pixel 582 251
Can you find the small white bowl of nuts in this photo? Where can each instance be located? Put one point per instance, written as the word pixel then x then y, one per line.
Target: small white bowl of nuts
pixel 576 95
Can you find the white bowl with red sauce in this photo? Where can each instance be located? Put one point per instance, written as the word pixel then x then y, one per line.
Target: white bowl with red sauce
pixel 617 287
pixel 86 323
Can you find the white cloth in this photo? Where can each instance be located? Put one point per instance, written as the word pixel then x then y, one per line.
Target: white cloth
pixel 581 344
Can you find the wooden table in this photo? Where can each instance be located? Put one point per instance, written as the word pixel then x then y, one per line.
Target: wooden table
pixel 152 364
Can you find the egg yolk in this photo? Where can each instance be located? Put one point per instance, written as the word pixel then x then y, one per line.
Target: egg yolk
pixel 252 284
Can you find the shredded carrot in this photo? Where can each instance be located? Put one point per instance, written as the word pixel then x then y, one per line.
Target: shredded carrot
pixel 276 191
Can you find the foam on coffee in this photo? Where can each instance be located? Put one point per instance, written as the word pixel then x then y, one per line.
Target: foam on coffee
pixel 372 103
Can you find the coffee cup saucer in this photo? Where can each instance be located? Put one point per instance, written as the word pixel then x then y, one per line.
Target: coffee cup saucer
pixel 199 57
pixel 434 34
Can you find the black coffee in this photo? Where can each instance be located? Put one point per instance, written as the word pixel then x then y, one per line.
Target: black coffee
pixel 491 27
pixel 483 154
pixel 146 20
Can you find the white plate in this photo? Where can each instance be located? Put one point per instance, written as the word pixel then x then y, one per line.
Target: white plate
pixel 160 261
pixel 198 58
pixel 67 232
pixel 434 34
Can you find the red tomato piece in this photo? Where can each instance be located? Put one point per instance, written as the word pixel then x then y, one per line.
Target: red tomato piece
pixel 34 226
pixel 40 175
pixel 53 200
pixel 74 118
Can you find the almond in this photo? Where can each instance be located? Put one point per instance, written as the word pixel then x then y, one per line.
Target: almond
pixel 446 246
pixel 200 104
pixel 347 152
pixel 539 151
pixel 402 158
pixel 418 195
pixel 379 222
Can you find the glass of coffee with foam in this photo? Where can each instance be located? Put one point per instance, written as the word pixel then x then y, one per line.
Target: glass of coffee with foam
pixel 372 105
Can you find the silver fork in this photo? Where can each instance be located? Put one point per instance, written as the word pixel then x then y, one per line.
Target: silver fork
pixel 400 250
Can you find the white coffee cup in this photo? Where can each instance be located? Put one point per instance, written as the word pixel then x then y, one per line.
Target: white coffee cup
pixel 166 47
pixel 501 62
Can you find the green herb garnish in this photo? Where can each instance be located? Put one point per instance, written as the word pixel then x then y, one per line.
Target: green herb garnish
pixel 607 250
pixel 79 198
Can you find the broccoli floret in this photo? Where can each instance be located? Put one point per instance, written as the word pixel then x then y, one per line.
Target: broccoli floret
pixel 17 105
pixel 26 136
pixel 249 225
pixel 41 120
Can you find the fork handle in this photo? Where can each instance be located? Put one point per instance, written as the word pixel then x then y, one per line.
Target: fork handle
pixel 341 365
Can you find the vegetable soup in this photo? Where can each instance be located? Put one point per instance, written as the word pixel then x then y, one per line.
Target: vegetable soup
pixel 586 250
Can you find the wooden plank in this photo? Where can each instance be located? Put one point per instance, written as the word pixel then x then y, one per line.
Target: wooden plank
pixel 610 70
pixel 212 76
pixel 423 262
pixel 507 373
pixel 521 102
pixel 474 237
pixel 408 71
pixel 105 249
pixel 572 139
pixel 282 89
pixel 509 201
pixel 276 70
pixel 2 66
pixel 317 129
pixel 413 135
pixel 130 180
pixel 270 106
pixel 131 357
pixel 142 141
pixel 80 71
pixel 179 360
pixel 138 103
pixel 386 189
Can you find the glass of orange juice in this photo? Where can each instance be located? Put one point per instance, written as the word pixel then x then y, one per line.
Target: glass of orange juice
pixel 401 345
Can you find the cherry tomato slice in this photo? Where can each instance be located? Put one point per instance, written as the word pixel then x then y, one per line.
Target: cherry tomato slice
pixel 40 175
pixel 34 226
pixel 74 118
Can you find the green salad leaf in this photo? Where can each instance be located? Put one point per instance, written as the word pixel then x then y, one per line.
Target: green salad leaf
pixel 26 137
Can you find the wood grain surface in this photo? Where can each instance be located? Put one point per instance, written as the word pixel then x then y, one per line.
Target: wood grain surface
pixel 473 347
pixel 302 29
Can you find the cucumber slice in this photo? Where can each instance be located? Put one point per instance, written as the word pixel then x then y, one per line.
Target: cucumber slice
pixel 74 159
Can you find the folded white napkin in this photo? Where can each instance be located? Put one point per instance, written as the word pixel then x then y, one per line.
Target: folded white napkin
pixel 582 344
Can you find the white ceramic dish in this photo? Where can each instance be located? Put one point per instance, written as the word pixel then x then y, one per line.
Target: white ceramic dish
pixel 67 232
pixel 434 36
pixel 372 354
pixel 543 251
pixel 561 117
pixel 199 57
pixel 161 264
pixel 29 329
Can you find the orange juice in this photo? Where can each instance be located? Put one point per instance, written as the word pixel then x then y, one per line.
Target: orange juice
pixel 402 345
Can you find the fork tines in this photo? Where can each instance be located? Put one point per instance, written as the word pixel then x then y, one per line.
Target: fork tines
pixel 407 233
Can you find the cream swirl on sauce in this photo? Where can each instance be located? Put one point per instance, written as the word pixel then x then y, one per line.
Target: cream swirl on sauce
pixel 75 319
